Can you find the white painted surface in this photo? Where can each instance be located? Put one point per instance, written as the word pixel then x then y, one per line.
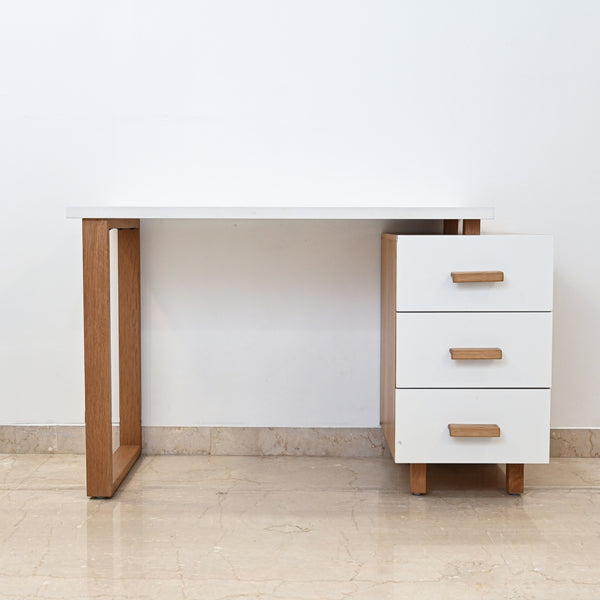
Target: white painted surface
pixel 425 264
pixel 422 418
pixel 424 339
pixel 260 323
pixel 272 103
pixel 362 213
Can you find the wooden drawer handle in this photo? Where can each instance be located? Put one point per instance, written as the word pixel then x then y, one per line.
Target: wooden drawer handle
pixel 476 276
pixel 468 430
pixel 475 353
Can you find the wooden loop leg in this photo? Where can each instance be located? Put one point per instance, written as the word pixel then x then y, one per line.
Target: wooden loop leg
pixel 105 470
pixel 418 478
pixel 515 478
pixel 96 317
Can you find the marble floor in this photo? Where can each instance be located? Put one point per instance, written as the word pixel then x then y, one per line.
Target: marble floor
pixel 205 527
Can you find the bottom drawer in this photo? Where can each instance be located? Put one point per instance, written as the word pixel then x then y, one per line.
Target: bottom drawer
pixel 423 416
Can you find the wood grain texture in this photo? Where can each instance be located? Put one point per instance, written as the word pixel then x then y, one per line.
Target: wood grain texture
pixel 450 226
pixel 122 460
pixel 106 470
pixel 130 385
pixel 476 276
pixel 473 430
pixel 388 339
pixel 123 223
pixel 515 478
pixel 96 317
pixel 475 353
pixel 471 227
pixel 418 478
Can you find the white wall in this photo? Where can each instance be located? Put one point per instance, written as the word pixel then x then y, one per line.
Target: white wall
pixel 278 102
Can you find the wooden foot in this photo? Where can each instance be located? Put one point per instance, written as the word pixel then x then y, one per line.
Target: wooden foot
pixel 515 478
pixel 418 478
pixel 471 227
pixel 105 471
pixel 450 226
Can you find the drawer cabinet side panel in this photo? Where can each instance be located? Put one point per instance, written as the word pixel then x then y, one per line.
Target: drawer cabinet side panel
pixel 388 339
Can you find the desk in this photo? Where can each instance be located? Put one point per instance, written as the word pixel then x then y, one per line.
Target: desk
pixel 105 469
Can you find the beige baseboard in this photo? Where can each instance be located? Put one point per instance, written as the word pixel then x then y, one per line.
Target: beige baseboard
pixel 253 441
pixel 223 441
pixel 575 443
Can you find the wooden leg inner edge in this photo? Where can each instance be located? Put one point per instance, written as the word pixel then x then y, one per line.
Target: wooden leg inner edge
pixel 130 376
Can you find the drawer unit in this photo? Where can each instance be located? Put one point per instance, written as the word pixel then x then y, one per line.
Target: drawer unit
pixel 466 341
pixel 424 340
pixel 423 416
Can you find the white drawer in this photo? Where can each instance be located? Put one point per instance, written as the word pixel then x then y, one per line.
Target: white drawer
pixel 423 416
pixel 425 264
pixel 423 341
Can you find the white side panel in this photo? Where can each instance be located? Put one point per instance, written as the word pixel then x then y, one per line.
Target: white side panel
pixel 425 264
pixel 424 339
pixel 423 416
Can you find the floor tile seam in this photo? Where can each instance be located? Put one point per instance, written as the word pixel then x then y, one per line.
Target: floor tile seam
pixel 561 488
pixel 53 490
pixel 22 486
pixel 261 490
pixel 176 578
pixel 392 492
pixel 391 495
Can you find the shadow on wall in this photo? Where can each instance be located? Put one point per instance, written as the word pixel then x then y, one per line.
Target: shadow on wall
pixel 262 323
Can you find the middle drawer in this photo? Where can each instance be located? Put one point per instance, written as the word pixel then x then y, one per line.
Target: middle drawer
pixel 424 340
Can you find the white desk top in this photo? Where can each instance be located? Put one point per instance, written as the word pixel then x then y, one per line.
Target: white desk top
pixel 279 212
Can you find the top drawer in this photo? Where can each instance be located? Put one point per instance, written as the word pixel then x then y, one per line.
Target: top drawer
pixel 426 262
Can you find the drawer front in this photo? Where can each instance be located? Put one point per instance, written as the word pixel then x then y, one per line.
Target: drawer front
pixel 425 265
pixel 424 340
pixel 423 416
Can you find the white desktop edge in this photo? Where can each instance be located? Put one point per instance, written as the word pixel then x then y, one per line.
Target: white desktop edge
pixel 278 212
